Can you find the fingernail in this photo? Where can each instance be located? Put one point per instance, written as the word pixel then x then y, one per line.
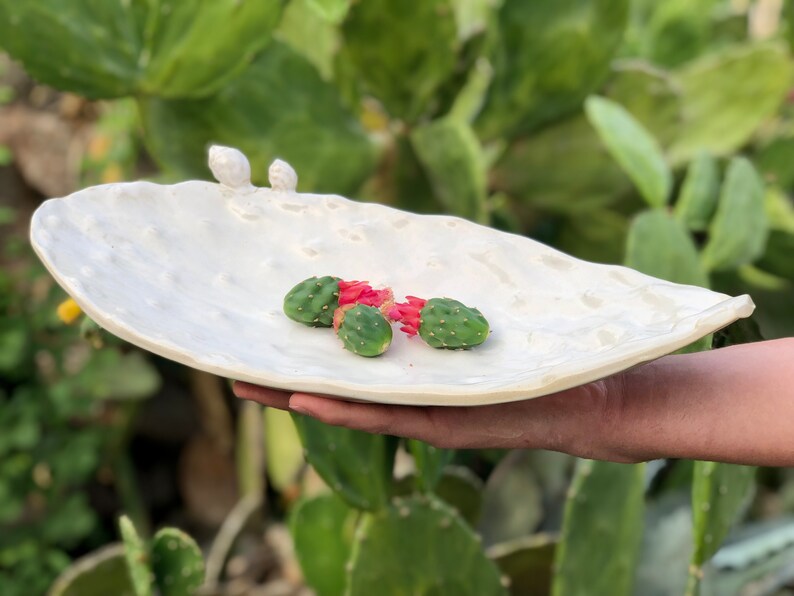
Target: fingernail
pixel 300 409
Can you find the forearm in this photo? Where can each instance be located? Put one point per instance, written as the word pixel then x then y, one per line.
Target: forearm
pixel 733 405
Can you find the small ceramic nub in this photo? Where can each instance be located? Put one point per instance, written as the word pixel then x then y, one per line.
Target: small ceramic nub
pixel 230 167
pixel 282 177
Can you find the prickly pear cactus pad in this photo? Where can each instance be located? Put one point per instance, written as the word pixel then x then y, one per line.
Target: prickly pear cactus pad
pixel 197 272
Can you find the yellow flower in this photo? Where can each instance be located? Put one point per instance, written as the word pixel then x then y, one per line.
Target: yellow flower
pixel 69 311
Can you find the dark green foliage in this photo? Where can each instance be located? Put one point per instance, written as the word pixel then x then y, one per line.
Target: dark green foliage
pixel 419 545
pixel 738 232
pixel 177 563
pixel 402 52
pixel 430 463
pixel 528 562
pixel 721 115
pixel 313 301
pixel 512 505
pixel 365 331
pixel 113 49
pixel 136 553
pixel 451 325
pixel 277 107
pixel 720 492
pixel 356 465
pixel 601 531
pixel 633 147
pixel 322 531
pixel 547 58
pixel 452 157
pixel 698 197
pixel 660 246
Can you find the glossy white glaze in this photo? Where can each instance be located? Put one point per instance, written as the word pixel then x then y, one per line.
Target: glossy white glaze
pixel 197 272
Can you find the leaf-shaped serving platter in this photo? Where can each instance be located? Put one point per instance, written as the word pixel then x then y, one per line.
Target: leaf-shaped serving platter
pixel 197 272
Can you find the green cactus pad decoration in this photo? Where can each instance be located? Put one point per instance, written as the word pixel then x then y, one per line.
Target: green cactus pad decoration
pixel 363 330
pixel 442 322
pixel 419 545
pixel 99 573
pixel 177 563
pixel 528 562
pixel 313 301
pixel 137 555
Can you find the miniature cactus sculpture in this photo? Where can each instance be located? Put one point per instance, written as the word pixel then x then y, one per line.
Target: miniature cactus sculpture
pixel 363 329
pixel 313 301
pixel 442 322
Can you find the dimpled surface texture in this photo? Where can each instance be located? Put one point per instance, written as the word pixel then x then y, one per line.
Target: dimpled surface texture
pixel 313 301
pixel 365 331
pixel 449 324
pixel 197 273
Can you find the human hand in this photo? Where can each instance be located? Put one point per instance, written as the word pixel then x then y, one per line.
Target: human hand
pixel 568 421
pixel 733 405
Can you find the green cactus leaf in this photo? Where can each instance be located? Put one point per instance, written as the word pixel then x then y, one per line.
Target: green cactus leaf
pixel 720 116
pixel 281 108
pixel 659 245
pixel 114 375
pixel 673 32
pixel 512 500
pixel 598 236
pixel 304 28
pixel 528 562
pixel 322 531
pixel 548 57
pixel 777 258
pixel 698 197
pixel 602 530
pixel 473 16
pixel 112 49
pixel 461 489
pixel 283 450
pixel 99 573
pixel 430 463
pixel 136 553
pixel 358 466
pixel 452 157
pixel 633 147
pixel 530 170
pixel 650 95
pixel 739 229
pixel 458 487
pixel 333 11
pixel 402 51
pixel 760 555
pixel 177 563
pixel 419 545
pixel 720 493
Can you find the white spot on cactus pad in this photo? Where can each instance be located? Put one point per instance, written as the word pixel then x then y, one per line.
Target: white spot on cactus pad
pixel 222 309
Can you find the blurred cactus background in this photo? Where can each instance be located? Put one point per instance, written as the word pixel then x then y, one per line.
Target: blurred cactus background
pixel 655 133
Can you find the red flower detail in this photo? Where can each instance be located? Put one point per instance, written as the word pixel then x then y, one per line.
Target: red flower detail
pixel 407 313
pixel 360 292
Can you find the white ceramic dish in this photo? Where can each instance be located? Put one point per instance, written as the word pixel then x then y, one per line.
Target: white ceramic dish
pixel 197 272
